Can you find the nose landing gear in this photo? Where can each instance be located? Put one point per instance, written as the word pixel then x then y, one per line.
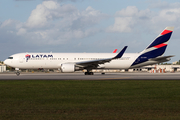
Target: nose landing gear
pixel 17 71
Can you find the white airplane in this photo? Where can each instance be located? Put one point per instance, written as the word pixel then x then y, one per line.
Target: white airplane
pixel 71 62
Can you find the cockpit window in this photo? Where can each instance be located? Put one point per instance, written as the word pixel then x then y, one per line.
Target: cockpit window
pixel 10 57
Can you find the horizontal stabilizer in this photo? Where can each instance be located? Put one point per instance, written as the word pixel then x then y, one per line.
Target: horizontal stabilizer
pixel 161 58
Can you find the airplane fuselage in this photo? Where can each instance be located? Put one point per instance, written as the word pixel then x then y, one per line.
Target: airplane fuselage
pixel 55 60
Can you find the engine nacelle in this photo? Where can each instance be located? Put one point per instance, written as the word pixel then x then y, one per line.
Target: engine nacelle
pixel 67 68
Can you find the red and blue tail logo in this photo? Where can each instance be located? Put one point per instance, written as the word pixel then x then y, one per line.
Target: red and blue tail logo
pixel 157 47
pixel 162 39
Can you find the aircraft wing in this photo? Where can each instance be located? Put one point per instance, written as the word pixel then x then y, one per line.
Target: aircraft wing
pixel 162 58
pixel 94 63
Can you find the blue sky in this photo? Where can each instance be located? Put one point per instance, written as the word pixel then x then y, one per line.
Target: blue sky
pixel 86 25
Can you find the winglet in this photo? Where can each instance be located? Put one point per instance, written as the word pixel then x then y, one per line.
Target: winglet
pixel 120 54
pixel 115 51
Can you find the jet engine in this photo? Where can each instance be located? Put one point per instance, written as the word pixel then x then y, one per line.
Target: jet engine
pixel 67 68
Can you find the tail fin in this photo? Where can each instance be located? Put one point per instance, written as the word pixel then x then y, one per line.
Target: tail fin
pixel 155 49
pixel 158 46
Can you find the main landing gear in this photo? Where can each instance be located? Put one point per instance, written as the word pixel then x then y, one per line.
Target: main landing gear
pixel 89 73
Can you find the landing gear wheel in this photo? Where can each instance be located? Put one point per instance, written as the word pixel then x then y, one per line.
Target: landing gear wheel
pixel 17 73
pixel 89 73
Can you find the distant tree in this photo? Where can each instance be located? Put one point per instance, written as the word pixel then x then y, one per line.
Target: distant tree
pixel 10 68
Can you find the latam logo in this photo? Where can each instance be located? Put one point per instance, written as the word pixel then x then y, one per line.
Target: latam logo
pixel 38 56
pixel 27 56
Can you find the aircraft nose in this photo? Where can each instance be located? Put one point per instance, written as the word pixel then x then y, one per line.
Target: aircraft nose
pixel 6 62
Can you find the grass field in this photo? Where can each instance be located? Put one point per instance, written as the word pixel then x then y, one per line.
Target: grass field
pixel 102 100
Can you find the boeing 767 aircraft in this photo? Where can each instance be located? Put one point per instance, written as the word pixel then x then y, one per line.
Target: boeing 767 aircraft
pixel 71 62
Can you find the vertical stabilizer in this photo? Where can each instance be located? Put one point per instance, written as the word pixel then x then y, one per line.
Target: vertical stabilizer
pixel 158 46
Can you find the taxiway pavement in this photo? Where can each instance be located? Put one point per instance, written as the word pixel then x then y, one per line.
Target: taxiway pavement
pixel 96 76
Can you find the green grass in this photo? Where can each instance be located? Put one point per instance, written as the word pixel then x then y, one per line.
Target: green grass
pixel 124 99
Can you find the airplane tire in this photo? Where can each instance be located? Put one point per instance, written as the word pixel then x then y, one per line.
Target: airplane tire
pixel 18 73
pixel 89 73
